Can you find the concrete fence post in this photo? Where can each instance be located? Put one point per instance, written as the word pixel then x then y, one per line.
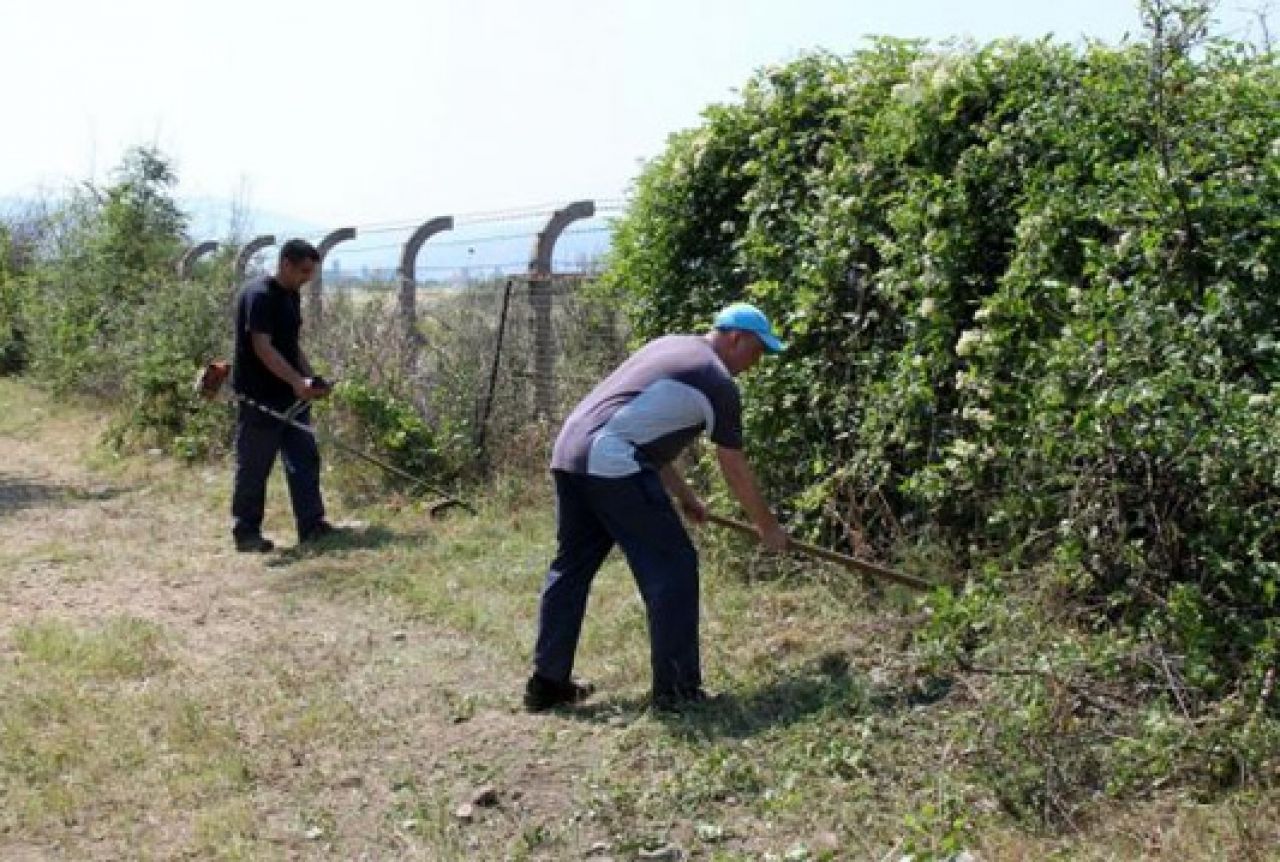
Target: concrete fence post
pixel 317 284
pixel 187 263
pixel 251 248
pixel 540 298
pixel 408 289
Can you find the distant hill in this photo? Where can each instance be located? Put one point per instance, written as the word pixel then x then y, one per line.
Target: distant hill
pixel 220 218
pixel 12 206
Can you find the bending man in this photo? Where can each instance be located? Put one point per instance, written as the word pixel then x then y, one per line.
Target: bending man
pixel 611 464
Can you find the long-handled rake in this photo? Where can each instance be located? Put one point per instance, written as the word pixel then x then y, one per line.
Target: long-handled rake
pixel 211 384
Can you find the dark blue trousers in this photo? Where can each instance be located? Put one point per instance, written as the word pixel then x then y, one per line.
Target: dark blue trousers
pixel 259 438
pixel 635 513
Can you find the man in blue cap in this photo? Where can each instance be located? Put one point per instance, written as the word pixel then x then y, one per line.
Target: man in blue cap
pixel 614 480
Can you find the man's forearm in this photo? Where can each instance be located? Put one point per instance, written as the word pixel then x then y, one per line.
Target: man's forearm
pixel 675 484
pixel 742 482
pixel 278 365
pixel 304 364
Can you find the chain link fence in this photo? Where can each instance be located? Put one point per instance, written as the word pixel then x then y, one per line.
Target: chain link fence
pixel 494 365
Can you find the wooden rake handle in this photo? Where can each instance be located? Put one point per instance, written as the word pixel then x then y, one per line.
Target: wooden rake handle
pixel 844 560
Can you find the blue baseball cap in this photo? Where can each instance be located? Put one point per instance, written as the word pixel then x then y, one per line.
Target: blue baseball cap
pixel 748 318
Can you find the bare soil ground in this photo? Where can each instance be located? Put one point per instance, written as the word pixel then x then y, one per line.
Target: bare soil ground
pixel 359 730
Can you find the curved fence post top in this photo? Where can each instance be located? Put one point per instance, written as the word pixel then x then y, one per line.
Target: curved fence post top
pixel 342 234
pixel 540 297
pixel 407 298
pixel 428 229
pixel 545 244
pixel 188 260
pixel 325 246
pixel 251 248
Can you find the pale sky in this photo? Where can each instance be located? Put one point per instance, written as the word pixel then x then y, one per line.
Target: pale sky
pixel 384 110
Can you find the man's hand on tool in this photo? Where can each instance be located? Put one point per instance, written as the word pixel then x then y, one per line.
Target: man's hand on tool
pixel 310 388
pixel 742 482
pixel 774 538
pixel 690 503
pixel 694 509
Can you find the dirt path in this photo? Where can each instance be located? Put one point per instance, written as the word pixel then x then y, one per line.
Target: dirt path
pixel 362 730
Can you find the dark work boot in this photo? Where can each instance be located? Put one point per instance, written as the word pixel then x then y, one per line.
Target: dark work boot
pixel 254 543
pixel 319 531
pixel 678 701
pixel 541 694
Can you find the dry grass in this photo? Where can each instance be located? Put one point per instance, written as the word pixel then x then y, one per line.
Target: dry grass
pixel 164 697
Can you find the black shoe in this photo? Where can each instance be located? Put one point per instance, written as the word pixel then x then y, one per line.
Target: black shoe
pixel 319 531
pixel 254 544
pixel 678 701
pixel 541 694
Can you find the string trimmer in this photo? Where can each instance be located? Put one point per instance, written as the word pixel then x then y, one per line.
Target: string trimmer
pixel 211 385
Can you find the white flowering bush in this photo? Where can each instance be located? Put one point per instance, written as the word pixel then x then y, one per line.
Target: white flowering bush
pixel 1031 298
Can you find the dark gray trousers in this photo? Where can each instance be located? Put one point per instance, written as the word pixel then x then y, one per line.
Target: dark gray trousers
pixel 635 513
pixel 259 438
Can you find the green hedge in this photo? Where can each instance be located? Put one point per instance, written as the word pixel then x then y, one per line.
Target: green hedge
pixel 1032 297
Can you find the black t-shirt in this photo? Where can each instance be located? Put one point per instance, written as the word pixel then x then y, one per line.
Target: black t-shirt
pixel 262 305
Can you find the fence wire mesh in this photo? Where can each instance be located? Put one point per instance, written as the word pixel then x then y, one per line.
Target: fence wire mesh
pixel 497 364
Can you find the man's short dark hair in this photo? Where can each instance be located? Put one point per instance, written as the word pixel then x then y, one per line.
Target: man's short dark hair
pixel 298 250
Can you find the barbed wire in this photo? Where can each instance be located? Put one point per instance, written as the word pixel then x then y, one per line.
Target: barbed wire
pixel 471 241
pixel 515 269
pixel 531 212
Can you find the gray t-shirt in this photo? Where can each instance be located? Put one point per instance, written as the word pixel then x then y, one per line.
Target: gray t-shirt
pixel 645 412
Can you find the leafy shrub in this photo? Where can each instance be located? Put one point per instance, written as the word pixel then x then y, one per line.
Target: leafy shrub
pixel 389 426
pixel 102 254
pixel 1031 293
pixel 182 325
pixel 102 312
pixel 13 345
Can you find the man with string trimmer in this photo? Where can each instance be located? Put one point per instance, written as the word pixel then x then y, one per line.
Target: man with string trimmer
pixel 271 369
